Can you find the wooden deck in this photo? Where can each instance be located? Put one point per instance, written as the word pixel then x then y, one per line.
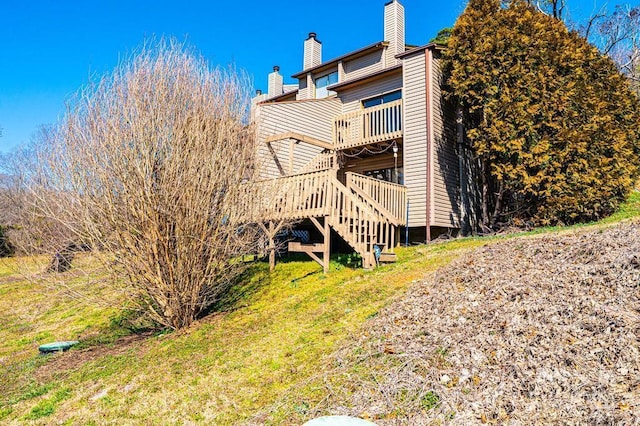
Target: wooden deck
pixel 365 212
pixel 368 126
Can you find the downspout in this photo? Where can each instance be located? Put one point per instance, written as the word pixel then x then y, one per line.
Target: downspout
pixel 429 81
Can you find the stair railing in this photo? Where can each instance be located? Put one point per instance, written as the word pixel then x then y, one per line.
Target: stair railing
pixel 387 198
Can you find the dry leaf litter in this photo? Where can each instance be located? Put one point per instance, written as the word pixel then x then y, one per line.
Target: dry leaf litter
pixel 539 330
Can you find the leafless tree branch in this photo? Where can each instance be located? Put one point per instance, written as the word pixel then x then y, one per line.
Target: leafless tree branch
pixel 152 169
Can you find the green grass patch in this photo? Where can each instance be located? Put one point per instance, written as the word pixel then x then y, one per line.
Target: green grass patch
pixel 430 400
pixel 42 409
pixel 628 210
pixel 35 390
pixel 47 407
pixel 5 411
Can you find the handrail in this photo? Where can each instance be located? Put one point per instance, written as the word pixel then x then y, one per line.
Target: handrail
pixel 370 125
pixel 353 218
pixel 322 161
pixel 296 197
pixel 389 198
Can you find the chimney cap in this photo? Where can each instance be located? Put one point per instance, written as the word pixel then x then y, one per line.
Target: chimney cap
pixel 258 92
pixel 314 36
pixel 276 68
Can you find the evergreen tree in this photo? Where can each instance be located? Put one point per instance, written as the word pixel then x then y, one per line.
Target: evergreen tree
pixel 551 121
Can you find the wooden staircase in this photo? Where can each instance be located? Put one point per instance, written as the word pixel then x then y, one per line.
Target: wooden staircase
pixel 356 223
pixel 368 224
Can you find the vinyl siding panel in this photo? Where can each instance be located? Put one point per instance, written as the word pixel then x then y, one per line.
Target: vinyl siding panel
pixel 445 173
pixel 364 65
pixel 415 137
pixel 352 98
pixel 312 118
pixel 303 94
pixel 268 161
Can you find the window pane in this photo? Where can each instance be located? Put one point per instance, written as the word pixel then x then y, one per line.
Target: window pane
pixel 327 80
pixel 321 92
pixel 323 82
pixel 379 100
pixel 390 97
pixel 372 102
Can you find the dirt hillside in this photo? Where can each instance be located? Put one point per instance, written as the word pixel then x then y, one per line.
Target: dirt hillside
pixel 536 330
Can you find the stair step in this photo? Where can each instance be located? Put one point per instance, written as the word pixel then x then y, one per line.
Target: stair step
pixel 388 258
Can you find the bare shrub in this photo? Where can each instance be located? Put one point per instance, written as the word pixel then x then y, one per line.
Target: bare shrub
pixel 152 168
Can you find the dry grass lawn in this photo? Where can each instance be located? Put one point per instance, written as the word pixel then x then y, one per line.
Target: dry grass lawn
pixel 275 332
pixel 526 328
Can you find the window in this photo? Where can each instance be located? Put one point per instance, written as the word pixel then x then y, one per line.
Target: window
pixel 382 99
pixel 323 82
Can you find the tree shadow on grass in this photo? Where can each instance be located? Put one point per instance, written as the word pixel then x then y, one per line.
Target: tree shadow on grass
pixel 242 289
pixel 256 277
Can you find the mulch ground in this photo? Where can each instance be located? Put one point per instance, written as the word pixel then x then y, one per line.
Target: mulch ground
pixel 538 330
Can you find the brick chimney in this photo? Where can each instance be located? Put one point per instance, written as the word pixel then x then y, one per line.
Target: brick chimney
pixel 393 30
pixel 312 52
pixel 275 82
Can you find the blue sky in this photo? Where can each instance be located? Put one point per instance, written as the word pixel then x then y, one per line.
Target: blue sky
pixel 49 49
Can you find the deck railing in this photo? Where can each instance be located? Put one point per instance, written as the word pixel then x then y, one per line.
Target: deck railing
pixel 390 198
pixel 370 125
pixel 322 161
pixel 298 196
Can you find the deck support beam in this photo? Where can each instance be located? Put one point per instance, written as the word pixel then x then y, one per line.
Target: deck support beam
pixel 312 249
pixel 276 160
pixel 326 236
pixel 271 230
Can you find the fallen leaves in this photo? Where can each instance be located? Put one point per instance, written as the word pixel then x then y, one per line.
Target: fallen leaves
pixel 546 329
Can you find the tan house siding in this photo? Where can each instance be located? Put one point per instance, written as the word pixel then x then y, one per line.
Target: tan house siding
pixel 291 154
pixel 352 98
pixel 268 164
pixel 415 137
pixel 364 65
pixel 312 118
pixel 445 173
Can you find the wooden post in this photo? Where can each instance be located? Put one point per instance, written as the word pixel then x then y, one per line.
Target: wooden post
pixel 392 237
pixel 325 230
pixel 272 247
pixel 327 244
pixel 291 145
